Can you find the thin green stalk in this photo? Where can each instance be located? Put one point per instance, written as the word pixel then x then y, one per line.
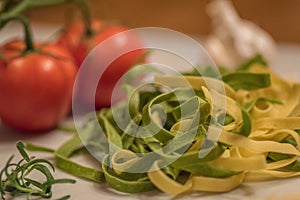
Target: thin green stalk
pixel 27 31
pixel 85 11
pixel 29 4
pixel 15 177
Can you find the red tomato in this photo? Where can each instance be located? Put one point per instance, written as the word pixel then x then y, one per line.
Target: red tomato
pixel 75 40
pixel 35 88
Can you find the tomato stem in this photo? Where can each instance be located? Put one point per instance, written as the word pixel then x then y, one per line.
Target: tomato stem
pixel 28 4
pixel 28 35
pixel 14 13
pixel 83 6
pixel 27 32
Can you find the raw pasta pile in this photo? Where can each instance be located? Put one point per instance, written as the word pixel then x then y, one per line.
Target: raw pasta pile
pixel 205 133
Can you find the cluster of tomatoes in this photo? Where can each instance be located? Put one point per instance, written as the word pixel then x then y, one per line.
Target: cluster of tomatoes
pixel 36 85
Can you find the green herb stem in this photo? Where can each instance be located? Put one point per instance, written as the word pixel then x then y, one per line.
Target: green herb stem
pixel 15 177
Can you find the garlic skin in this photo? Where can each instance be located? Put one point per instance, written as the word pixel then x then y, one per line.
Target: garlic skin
pixel 233 39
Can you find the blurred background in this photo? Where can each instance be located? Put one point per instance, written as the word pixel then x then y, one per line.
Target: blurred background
pixel 279 18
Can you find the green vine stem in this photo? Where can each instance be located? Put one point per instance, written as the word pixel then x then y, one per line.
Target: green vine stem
pixel 27 32
pixel 83 6
pixel 29 4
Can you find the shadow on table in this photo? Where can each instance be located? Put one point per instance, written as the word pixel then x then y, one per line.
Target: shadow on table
pixel 8 134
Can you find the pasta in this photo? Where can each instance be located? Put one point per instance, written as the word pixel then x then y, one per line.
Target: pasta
pixel 204 134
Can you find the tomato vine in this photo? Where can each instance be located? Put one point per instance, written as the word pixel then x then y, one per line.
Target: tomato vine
pixel 22 6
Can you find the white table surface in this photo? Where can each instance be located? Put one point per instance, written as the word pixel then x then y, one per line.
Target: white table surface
pixel 287 64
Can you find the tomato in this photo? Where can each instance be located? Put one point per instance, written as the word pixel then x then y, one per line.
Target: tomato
pixel 74 39
pixel 80 45
pixel 36 87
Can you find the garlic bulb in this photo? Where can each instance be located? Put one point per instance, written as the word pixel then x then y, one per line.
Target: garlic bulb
pixel 233 39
